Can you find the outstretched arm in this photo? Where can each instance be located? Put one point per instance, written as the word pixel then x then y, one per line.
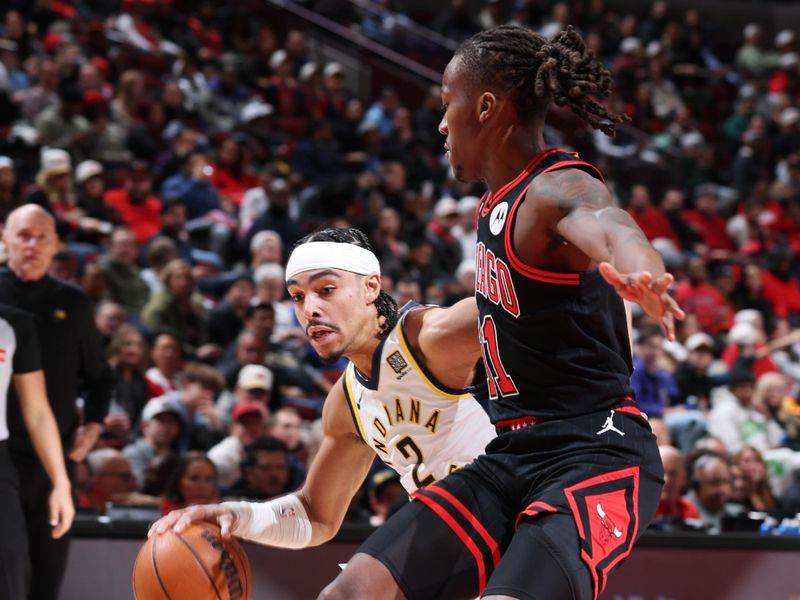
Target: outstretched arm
pixel 611 238
pixel 307 517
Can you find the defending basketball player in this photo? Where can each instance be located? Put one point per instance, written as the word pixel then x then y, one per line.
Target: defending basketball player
pixel 402 396
pixel 574 475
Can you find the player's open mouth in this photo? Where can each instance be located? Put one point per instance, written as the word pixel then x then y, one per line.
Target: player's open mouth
pixel 319 334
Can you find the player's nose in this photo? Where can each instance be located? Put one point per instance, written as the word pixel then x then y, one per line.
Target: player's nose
pixel 443 126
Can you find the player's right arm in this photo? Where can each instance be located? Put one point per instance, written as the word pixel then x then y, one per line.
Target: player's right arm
pixel 307 517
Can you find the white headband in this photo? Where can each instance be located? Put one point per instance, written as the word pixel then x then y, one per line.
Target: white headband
pixel 331 255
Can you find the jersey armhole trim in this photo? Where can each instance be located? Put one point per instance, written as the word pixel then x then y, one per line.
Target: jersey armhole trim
pixel 427 377
pixel 493 199
pixel 527 270
pixel 351 404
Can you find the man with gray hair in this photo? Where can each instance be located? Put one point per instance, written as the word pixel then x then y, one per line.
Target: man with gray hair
pixel 74 366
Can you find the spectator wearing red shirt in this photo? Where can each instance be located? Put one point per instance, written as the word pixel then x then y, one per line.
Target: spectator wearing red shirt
pixel 781 289
pixel 230 175
pixel 747 345
pixel 136 204
pixel 651 219
pixel 672 506
pixel 705 219
pixel 699 297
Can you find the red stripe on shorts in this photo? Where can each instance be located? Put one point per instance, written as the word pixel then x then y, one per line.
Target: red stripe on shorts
pixel 471 518
pixel 459 531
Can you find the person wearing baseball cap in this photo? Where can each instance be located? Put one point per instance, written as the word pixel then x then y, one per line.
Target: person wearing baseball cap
pixel 248 422
pixel 254 383
pixel 161 425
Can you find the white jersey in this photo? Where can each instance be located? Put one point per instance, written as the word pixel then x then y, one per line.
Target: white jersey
pixel 420 428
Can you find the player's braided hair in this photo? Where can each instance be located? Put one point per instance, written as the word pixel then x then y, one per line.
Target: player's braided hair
pixel 536 70
pixel 386 305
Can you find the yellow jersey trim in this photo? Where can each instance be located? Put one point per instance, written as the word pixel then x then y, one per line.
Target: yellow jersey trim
pixel 401 335
pixel 351 402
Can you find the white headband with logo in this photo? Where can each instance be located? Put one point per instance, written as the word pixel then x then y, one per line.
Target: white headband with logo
pixel 332 255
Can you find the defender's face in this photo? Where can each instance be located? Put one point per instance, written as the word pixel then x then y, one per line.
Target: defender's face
pixel 460 123
pixel 331 307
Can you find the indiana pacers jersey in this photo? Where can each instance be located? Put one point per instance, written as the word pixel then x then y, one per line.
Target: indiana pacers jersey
pixel 420 428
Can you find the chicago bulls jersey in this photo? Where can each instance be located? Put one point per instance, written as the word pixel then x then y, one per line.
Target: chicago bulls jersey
pixel 420 428
pixel 554 344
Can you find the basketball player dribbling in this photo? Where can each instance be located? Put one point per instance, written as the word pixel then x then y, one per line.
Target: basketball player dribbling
pixel 574 475
pixel 402 397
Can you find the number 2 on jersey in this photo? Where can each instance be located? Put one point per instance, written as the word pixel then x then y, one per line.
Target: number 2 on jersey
pixel 500 382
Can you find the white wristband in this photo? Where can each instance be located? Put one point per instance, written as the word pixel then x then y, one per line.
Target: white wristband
pixel 281 522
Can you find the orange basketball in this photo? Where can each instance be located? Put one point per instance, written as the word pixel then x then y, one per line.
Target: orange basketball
pixel 192 565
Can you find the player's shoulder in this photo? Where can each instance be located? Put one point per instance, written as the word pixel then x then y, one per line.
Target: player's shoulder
pixel 564 190
pixel 335 412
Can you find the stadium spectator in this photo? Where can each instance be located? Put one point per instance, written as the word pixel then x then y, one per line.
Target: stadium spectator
pixel 193 481
pixel 123 282
pixel 654 387
pixel 179 308
pixel 111 480
pixel 135 202
pixel 161 424
pixel 248 423
pixel 265 470
pixel 711 490
pixel 673 509
pixel 127 353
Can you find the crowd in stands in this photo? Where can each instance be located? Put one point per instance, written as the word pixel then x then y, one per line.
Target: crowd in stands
pixel 183 148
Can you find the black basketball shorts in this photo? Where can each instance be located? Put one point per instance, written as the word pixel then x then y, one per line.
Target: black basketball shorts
pixel 561 502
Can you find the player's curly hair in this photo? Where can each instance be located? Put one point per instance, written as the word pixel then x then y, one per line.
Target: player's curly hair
pixel 537 70
pixel 386 305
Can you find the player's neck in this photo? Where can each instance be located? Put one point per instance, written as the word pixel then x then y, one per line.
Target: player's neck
pixel 511 153
pixel 364 348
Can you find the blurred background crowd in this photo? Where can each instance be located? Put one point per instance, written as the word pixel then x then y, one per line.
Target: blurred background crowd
pixel 184 147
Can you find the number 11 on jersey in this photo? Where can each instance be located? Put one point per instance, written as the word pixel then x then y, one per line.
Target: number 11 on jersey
pixel 500 382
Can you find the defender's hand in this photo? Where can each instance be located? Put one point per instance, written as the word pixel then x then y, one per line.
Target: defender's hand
pixel 649 292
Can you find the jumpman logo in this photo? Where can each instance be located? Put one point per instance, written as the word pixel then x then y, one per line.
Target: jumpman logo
pixel 609 426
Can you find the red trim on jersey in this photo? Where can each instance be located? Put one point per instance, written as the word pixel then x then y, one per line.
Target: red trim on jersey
pixel 471 518
pixel 615 505
pixel 566 163
pixel 534 162
pixel 535 509
pixel 518 422
pixel 631 410
pixel 456 527
pixel 527 270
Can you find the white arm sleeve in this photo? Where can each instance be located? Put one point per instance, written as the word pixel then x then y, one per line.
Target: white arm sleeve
pixel 281 522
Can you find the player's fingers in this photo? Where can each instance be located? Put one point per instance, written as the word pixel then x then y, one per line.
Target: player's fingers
pixel 661 284
pixel 669 325
pixel 186 519
pixel 673 308
pixel 225 521
pixel 165 523
pixel 611 275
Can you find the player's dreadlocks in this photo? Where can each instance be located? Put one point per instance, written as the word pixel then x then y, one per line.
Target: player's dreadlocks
pixel 536 70
pixel 386 305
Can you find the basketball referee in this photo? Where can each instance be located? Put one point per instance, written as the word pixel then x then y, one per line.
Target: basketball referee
pixel 20 358
pixel 74 365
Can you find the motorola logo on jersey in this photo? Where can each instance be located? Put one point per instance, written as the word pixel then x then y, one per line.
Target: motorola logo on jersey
pixel 498 218
pixel 493 280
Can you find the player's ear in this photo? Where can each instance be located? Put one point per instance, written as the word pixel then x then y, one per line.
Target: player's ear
pixel 372 285
pixel 487 106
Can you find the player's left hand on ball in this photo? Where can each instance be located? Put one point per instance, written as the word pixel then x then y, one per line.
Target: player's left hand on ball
pixel 180 519
pixel 647 291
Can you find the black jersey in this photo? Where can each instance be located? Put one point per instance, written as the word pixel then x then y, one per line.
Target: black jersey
pixel 554 344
